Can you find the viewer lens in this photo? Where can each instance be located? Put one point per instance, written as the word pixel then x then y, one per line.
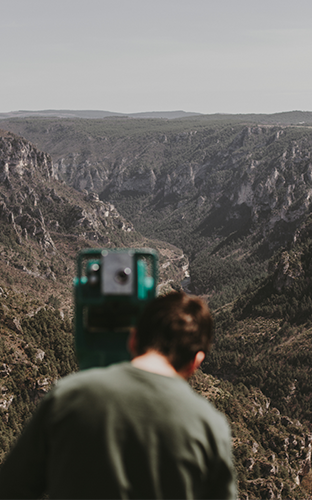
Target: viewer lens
pixel 123 275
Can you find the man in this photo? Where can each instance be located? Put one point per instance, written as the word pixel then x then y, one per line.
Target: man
pixel 132 430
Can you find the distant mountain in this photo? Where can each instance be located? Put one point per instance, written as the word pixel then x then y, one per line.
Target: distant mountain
pixel 62 113
pixel 169 115
pixel 284 118
pixel 89 114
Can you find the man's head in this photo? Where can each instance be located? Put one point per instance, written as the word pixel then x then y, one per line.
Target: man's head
pixel 176 325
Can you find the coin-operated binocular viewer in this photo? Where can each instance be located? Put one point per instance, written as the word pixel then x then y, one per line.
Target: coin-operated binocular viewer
pixel 111 289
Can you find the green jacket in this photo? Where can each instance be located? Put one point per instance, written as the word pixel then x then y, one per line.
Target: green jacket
pixel 121 432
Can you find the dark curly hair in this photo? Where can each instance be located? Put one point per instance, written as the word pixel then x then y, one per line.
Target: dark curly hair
pixel 176 325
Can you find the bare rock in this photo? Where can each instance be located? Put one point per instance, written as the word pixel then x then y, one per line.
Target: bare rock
pixel 40 354
pixel 14 325
pixel 5 370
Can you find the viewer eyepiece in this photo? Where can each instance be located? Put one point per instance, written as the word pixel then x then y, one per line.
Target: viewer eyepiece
pixel 123 275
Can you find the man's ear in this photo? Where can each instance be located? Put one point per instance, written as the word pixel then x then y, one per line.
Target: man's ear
pixel 199 358
pixel 187 371
pixel 132 342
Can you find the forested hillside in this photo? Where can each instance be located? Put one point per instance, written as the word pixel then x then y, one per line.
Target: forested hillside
pixel 264 338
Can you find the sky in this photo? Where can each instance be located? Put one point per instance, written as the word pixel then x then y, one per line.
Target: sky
pixel 129 56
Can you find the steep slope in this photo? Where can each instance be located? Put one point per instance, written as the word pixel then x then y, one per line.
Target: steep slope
pixel 264 337
pixel 263 340
pixel 43 225
pixel 229 194
pixel 272 453
pixel 50 217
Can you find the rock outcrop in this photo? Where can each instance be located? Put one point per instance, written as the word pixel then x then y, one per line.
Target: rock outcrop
pixel 31 203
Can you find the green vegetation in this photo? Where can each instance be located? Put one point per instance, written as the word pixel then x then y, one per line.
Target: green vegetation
pixel 268 448
pixel 36 349
pixel 263 339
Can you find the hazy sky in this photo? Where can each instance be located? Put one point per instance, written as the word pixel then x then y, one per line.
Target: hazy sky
pixel 208 56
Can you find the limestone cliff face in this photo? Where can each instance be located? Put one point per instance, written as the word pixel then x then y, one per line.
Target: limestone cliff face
pixel 19 159
pixel 39 208
pixel 21 166
pixel 262 169
pixel 31 200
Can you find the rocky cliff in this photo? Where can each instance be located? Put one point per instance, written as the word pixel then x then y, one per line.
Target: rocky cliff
pixel 40 209
pixel 216 183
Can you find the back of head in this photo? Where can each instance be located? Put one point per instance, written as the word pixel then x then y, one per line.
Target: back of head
pixel 176 325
